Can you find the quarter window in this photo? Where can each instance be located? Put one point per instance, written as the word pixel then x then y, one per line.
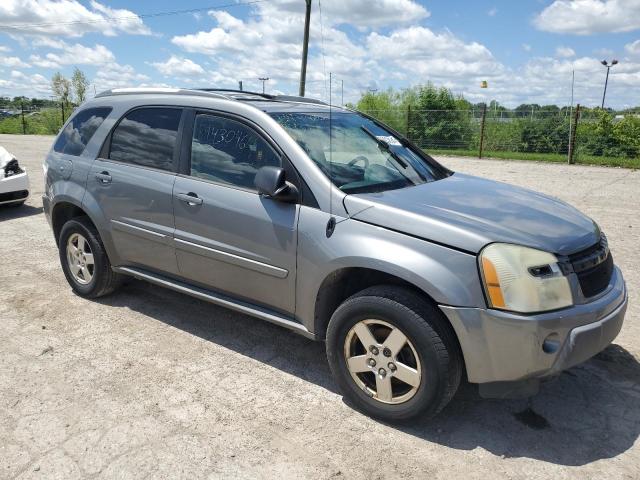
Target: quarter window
pixel 75 136
pixel 229 152
pixel 147 137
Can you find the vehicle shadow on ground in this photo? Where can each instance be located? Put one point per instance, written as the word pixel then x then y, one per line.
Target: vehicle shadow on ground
pixel 10 213
pixel 589 413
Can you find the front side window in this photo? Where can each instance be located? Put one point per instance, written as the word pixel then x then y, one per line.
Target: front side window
pixel 229 152
pixel 357 154
pixel 75 136
pixel 147 137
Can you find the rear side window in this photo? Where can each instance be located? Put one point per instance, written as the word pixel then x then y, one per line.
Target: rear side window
pixel 229 152
pixel 147 137
pixel 75 136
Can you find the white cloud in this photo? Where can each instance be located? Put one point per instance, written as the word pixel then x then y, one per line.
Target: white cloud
pixel 492 12
pixel 585 17
pixel 565 52
pixel 41 62
pixel 526 47
pixel 446 55
pixel 266 44
pixel 19 83
pixel 67 18
pixel 12 62
pixel 114 75
pixel 4 49
pixel 360 13
pixel 633 48
pixel 178 67
pixel 74 54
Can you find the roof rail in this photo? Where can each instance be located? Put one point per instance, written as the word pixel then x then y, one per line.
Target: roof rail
pixel 227 94
pixel 247 95
pixel 237 93
pixel 142 90
pixel 296 98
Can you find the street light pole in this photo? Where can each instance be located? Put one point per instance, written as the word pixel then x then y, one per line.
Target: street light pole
pixel 263 79
pixel 608 65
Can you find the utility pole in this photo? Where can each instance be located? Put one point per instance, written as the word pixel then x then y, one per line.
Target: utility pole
pixel 305 49
pixel 606 64
pixel 240 84
pixel 263 79
pixel 342 92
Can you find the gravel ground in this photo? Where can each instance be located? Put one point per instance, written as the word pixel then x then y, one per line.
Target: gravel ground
pixel 151 383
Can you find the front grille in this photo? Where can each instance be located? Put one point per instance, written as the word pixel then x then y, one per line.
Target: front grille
pixel 594 267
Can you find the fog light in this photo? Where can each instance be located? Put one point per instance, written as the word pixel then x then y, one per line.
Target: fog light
pixel 551 344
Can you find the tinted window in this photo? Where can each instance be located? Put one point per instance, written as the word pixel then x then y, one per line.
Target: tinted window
pixel 227 151
pixel 147 137
pixel 79 130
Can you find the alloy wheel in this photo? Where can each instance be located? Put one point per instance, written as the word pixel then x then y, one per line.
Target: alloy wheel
pixel 382 361
pixel 80 259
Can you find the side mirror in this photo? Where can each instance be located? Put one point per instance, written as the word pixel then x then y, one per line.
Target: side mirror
pixel 271 182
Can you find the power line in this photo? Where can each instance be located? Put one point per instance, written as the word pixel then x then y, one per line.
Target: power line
pixel 135 17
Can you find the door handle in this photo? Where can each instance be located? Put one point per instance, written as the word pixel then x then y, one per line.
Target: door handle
pixel 103 177
pixel 190 198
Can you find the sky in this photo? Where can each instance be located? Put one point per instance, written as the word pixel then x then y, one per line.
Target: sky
pixel 525 49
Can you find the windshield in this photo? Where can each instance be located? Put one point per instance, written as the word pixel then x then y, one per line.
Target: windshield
pixel 360 156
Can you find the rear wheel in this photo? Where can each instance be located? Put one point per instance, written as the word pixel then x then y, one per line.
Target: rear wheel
pixel 392 354
pixel 84 260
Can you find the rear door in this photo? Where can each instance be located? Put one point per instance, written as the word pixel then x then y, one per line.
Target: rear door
pixel 133 183
pixel 228 237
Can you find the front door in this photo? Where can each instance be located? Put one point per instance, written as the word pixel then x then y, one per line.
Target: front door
pixel 134 187
pixel 227 237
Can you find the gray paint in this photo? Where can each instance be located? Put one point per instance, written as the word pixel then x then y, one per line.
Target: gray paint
pixel 269 259
pixel 468 212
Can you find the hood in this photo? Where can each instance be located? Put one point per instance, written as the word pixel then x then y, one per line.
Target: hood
pixel 5 157
pixel 467 213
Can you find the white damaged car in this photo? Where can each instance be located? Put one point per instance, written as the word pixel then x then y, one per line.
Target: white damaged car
pixel 14 182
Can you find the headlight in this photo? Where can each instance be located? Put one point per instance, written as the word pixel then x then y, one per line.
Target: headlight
pixel 523 279
pixel 12 168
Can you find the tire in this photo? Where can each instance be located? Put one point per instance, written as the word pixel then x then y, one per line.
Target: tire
pixel 438 360
pixel 101 279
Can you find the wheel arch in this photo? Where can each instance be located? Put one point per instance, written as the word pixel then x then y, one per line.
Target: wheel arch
pixel 344 282
pixel 63 211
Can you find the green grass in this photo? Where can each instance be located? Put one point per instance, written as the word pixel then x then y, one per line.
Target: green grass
pixel 542 157
pixel 46 122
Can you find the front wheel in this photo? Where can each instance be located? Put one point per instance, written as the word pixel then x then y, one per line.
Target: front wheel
pixel 392 354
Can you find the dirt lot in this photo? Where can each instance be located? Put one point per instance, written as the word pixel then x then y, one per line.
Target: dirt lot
pixel 150 383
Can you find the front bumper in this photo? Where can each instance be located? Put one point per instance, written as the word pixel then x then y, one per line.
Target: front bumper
pixel 14 188
pixel 506 347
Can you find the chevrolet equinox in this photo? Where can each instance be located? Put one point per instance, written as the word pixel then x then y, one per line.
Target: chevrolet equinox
pixel 325 221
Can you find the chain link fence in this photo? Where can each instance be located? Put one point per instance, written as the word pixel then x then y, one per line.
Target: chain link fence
pixel 25 118
pixel 564 134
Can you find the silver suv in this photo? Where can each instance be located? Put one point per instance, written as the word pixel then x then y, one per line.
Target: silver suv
pixel 329 223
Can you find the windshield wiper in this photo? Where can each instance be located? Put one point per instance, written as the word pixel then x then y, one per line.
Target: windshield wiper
pixel 384 145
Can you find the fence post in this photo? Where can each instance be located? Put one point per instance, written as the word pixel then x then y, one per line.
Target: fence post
pixel 573 126
pixel 484 115
pixel 406 133
pixel 24 127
